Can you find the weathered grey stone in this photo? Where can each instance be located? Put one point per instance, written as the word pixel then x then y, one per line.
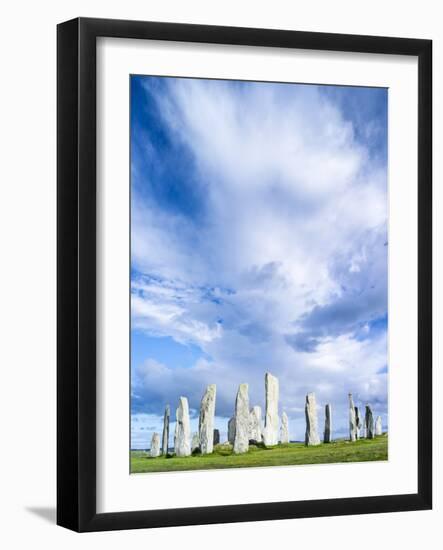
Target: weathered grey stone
pixel 216 437
pixel 352 420
pixel 284 428
pixel 155 445
pixel 369 421
pixel 255 431
pixel 241 440
pixel 378 426
pixel 311 436
pixel 195 442
pixel 206 421
pixel 358 423
pixel 270 432
pixel 182 439
pixel 365 431
pixel 231 430
pixel 327 436
pixel 165 437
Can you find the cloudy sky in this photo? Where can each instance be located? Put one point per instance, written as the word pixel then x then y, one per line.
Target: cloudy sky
pixel 258 243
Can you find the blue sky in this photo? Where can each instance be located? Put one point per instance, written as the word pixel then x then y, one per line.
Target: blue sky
pixel 258 243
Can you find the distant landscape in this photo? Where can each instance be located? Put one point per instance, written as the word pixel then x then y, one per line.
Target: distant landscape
pixel 290 454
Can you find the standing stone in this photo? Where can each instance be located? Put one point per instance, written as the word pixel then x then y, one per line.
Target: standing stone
pixel 241 440
pixel 378 426
pixel 270 432
pixel 216 437
pixel 165 438
pixel 255 435
pixel 357 423
pixel 206 421
pixel 365 431
pixel 352 420
pixel 155 445
pixel 195 442
pixel 182 440
pixel 311 437
pixel 369 421
pixel 284 428
pixel 231 430
pixel 327 436
pixel 176 430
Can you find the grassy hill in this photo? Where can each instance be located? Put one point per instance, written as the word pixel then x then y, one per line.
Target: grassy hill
pixel 281 455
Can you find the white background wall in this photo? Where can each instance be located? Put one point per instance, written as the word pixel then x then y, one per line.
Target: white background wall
pixel 27 274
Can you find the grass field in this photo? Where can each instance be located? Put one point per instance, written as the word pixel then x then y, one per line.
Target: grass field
pixel 363 450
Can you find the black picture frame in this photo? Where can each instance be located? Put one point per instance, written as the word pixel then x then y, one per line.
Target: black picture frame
pixel 76 273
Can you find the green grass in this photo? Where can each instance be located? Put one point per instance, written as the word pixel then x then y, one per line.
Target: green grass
pixel 363 450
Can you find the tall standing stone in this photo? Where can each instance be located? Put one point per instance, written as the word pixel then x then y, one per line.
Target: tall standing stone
pixel 311 436
pixel 195 442
pixel 358 423
pixel 182 439
pixel 327 436
pixel 241 440
pixel 216 437
pixel 378 426
pixel 284 428
pixel 270 432
pixel 231 430
pixel 165 437
pixel 206 421
pixel 255 431
pixel 352 420
pixel 155 445
pixel 369 421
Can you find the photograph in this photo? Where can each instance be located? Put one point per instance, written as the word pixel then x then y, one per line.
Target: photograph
pixel 222 257
pixel 258 274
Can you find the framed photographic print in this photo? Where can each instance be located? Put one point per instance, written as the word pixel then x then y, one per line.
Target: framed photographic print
pixel 244 274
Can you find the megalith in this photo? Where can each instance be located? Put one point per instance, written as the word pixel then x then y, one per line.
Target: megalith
pixel 216 437
pixel 311 436
pixel 378 426
pixel 284 428
pixel 195 442
pixel 155 445
pixel 206 420
pixel 255 431
pixel 358 423
pixel 270 432
pixel 352 420
pixel 327 436
pixel 241 439
pixel 165 437
pixel 182 439
pixel 369 421
pixel 231 430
